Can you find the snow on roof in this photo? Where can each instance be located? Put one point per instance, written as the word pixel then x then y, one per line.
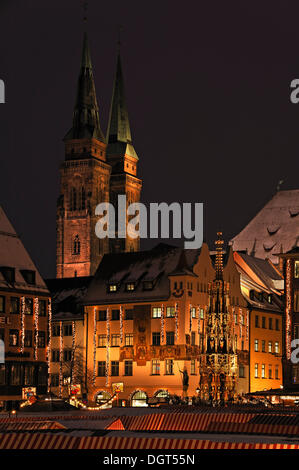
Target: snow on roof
pixel 273 230
pixel 14 255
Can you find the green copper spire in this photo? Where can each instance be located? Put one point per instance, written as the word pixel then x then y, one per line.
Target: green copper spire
pixel 86 122
pixel 119 134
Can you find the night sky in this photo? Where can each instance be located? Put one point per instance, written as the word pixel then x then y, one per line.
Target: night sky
pixel 208 93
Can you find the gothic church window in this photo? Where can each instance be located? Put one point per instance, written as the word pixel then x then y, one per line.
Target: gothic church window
pixel 76 245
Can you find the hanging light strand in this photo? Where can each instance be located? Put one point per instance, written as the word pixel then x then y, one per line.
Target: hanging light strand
pixel 73 351
pixel 36 311
pixel 176 321
pixel 22 323
pixel 162 324
pixel 190 318
pixel 94 346
pixel 107 346
pixel 60 358
pixel 198 324
pixel 288 329
pixel 121 327
pixel 49 343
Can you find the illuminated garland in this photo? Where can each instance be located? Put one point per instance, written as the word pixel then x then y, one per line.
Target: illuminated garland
pixel 176 321
pixel 35 326
pixel 107 346
pixel 121 328
pixel 288 309
pixel 73 350
pixel 60 358
pixel 198 326
pixel 94 346
pixel 22 323
pixel 190 319
pixel 49 343
pixel 162 324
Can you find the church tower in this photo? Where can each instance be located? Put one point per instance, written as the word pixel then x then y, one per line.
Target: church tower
pixel 84 182
pixel 218 359
pixel 123 159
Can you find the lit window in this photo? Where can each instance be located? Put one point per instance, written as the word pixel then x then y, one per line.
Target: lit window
pixel 202 313
pixel 130 286
pixel 129 339
pixel 155 367
pixel 296 300
pixel 157 312
pixel 193 312
pixel 256 370
pixel 276 347
pixel 112 288
pixel 256 345
pixel 13 338
pixel 170 312
pixel 270 346
pixel 101 341
pixel 169 367
pixel 296 269
pixel 263 371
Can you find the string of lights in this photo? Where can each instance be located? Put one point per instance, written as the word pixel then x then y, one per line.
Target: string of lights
pixel 73 351
pixel 121 328
pixel 107 347
pixel 176 321
pixel 49 343
pixel 198 325
pixel 22 323
pixel 190 318
pixel 94 345
pixel 162 324
pixel 60 358
pixel 36 312
pixel 288 309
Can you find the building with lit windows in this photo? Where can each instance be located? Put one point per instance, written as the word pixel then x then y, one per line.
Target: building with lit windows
pixel 24 321
pixel 146 318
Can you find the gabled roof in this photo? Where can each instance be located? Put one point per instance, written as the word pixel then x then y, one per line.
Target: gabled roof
pixel 67 296
pixel 273 230
pixel 136 267
pixel 14 255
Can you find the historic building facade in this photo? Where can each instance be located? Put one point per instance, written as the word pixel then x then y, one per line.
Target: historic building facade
pixel 25 313
pixel 96 169
pixel 147 318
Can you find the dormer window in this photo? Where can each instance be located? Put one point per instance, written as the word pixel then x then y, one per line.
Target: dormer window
pixel 296 269
pixel 251 295
pixel 8 274
pixel 148 285
pixel 112 287
pixel 270 298
pixel 130 286
pixel 29 276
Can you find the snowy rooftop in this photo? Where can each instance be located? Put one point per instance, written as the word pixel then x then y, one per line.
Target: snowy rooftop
pixel 274 230
pixel 14 255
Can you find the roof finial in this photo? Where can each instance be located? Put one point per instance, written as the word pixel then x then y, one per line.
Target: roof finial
pixel 219 256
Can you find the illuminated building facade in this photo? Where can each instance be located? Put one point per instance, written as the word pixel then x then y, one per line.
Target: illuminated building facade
pixel 262 286
pixel 146 323
pixel 96 169
pixel 25 311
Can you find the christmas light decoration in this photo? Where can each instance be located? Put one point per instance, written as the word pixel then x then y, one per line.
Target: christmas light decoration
pixel 60 358
pixel 121 328
pixel 190 318
pixel 247 325
pixel 288 309
pixel 94 346
pixel 162 324
pixel 22 323
pixel 176 321
pixel 107 346
pixel 36 311
pixel 49 343
pixel 198 325
pixel 73 350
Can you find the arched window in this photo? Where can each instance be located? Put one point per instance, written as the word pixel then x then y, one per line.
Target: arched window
pixel 139 398
pixel 76 245
pixel 73 199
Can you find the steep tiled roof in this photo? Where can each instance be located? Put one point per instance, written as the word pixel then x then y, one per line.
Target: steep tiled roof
pixel 67 296
pixel 14 255
pixel 153 265
pixel 274 230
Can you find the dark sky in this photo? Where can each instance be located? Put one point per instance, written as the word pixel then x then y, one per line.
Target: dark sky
pixel 207 85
